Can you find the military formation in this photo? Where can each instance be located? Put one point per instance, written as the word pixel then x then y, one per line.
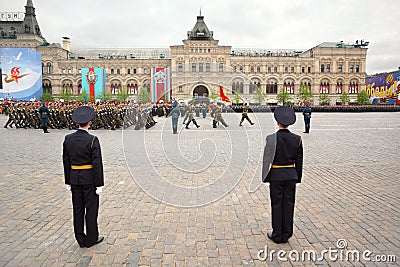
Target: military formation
pixel 109 115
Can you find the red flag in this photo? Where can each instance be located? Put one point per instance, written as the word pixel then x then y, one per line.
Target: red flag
pixel 223 95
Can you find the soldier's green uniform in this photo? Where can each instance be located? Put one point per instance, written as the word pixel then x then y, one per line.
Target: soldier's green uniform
pixel 218 116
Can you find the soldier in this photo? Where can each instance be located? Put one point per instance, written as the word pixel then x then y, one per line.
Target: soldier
pixel 197 110
pixel 11 117
pixel 175 112
pixel 244 115
pixel 190 117
pixel 307 117
pixel 186 114
pixel 44 113
pixel 282 172
pixel 204 109
pixel 83 171
pixel 218 116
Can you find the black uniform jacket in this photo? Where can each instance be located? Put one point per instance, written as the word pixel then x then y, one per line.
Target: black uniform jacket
pixel 82 148
pixel 283 148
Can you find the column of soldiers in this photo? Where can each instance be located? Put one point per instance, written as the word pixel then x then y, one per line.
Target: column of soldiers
pixel 111 115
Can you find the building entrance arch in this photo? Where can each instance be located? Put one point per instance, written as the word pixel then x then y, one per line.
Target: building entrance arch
pixel 200 92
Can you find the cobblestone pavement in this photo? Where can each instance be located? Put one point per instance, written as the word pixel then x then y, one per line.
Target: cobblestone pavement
pixel 350 191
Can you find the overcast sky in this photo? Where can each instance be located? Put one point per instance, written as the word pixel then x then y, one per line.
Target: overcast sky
pixel 268 24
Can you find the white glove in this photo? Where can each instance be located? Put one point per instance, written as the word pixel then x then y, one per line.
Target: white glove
pixel 267 184
pixel 297 184
pixel 68 187
pixel 99 190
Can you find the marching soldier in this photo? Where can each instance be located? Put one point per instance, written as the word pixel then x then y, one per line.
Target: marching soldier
pixel 204 109
pixel 218 116
pixel 282 171
pixel 11 117
pixel 83 171
pixel 244 115
pixel 190 117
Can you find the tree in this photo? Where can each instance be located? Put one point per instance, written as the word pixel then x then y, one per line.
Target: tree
pixel 213 95
pixel 363 98
pixel 66 94
pixel 47 97
pixel 305 94
pixel 344 98
pixel 143 95
pixel 284 97
pixel 259 96
pixel 122 95
pixel 236 98
pixel 84 96
pixel 324 99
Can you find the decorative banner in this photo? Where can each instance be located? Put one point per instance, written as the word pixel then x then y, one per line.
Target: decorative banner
pixel 160 84
pixel 21 74
pixel 386 87
pixel 222 95
pixel 94 82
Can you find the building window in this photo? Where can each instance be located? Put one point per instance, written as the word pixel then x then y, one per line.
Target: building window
pixel 353 88
pixel 69 71
pixel 351 68
pixel 303 70
pixel 208 69
pixel 129 71
pixel 145 71
pixel 193 67
pixel 180 67
pixel 80 71
pixel 43 68
pixel 309 69
pixel 196 51
pixel 258 69
pixel 286 69
pixel 269 69
pixel 180 88
pixel 292 69
pixel 200 67
pixel 134 71
pixel 340 68
pixel 221 67
pixel 272 88
pixel 324 88
pixel 328 67
pixel 289 87
pixel 322 68
pixel 234 68
pixel 112 71
pixel 339 87
pixel 251 69
pixel 275 69
pixel 357 68
pixel 118 71
pixel 63 71
pixel 209 50
pixel 241 68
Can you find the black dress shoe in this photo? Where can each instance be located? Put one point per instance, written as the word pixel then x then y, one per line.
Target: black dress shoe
pixel 274 239
pixel 99 240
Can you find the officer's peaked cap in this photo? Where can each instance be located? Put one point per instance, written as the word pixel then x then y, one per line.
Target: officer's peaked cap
pixel 285 115
pixel 83 114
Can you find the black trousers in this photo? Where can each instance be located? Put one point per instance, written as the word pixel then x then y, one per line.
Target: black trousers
pixel 282 194
pixel 85 204
pixel 244 116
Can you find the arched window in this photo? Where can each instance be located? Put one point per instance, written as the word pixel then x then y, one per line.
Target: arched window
pixel 272 87
pixel 339 87
pixel 322 67
pixel 49 68
pixel 288 85
pixel 353 87
pixel 324 88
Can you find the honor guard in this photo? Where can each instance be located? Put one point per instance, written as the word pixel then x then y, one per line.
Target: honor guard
pixel 282 171
pixel 244 115
pixel 44 113
pixel 218 116
pixel 83 171
pixel 307 117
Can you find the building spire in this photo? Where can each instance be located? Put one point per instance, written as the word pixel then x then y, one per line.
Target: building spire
pixel 30 24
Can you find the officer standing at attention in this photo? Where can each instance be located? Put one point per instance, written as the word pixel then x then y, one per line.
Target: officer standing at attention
pixel 244 115
pixel 307 117
pixel 282 172
pixel 175 112
pixel 83 171
pixel 44 114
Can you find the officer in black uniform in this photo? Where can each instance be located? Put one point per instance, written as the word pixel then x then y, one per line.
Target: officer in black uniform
pixel 282 171
pixel 83 171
